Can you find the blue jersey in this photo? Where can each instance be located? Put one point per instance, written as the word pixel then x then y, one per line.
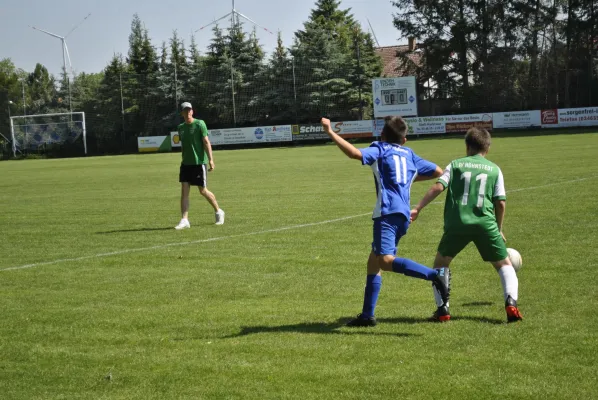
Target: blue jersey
pixel 395 168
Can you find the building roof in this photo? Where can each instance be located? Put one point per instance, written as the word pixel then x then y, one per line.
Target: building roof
pixel 399 60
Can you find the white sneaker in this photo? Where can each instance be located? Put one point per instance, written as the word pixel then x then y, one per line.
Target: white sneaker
pixel 183 225
pixel 219 217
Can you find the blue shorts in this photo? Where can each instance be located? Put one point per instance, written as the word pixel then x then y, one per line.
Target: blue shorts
pixel 388 230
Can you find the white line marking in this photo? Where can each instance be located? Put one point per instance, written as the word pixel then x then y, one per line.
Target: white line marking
pixel 163 246
pixel 286 228
pixel 553 184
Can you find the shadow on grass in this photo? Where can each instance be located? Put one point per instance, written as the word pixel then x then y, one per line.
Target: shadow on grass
pixel 410 320
pixel 478 304
pixel 136 230
pixel 317 328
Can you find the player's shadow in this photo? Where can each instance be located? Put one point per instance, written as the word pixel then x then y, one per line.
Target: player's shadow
pixel 332 328
pixel 410 320
pixel 135 230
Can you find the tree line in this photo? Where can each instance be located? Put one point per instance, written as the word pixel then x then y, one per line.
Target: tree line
pixel 474 56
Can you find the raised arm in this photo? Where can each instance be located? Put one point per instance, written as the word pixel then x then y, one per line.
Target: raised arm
pixel 346 147
pixel 436 174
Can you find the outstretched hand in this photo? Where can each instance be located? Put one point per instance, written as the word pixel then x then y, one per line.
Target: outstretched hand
pixel 325 124
pixel 414 214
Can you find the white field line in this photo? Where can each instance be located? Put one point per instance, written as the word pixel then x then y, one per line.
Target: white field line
pixel 214 239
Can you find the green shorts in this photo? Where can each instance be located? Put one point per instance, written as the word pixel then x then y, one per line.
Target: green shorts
pixel 490 244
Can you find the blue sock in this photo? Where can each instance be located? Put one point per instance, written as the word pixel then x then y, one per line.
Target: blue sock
pixel 370 296
pixel 411 268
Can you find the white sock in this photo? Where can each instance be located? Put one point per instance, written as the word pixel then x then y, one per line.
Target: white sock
pixel 509 281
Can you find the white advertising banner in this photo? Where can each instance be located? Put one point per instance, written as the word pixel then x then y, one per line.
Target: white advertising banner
pixel 395 96
pixel 426 125
pixel 175 141
pixel 378 125
pixel 264 134
pixel 517 119
pixel 149 144
pixel 569 117
pixel 461 123
pixel 353 129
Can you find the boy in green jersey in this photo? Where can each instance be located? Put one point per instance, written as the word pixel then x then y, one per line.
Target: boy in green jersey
pixel 474 211
pixel 197 153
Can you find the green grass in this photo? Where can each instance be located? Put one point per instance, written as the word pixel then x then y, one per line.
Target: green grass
pixel 260 315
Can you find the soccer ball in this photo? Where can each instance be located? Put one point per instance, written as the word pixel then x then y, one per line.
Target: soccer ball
pixel 515 258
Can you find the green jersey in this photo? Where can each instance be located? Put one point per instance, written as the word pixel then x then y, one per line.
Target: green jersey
pixel 474 183
pixel 191 136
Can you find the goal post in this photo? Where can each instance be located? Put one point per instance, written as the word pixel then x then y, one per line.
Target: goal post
pixel 38 131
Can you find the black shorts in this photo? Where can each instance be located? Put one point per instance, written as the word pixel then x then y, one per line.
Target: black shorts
pixel 195 175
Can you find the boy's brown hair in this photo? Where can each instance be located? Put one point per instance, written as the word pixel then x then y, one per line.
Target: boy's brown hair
pixel 395 130
pixel 478 140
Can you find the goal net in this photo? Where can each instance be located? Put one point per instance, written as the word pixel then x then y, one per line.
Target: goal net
pixel 43 132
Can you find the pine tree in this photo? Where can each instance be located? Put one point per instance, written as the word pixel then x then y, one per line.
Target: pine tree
pixel 277 100
pixel 216 86
pixel 109 133
pixel 330 77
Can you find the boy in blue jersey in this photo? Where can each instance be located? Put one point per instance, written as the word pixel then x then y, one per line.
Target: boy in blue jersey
pixel 395 168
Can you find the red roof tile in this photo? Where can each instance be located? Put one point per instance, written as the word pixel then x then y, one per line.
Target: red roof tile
pixel 399 61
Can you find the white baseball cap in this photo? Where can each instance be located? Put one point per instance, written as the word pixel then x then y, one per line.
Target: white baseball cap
pixel 186 105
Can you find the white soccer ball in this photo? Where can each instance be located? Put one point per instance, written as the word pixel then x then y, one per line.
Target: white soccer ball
pixel 515 258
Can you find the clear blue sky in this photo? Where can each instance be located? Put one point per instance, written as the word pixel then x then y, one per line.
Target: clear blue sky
pixel 107 30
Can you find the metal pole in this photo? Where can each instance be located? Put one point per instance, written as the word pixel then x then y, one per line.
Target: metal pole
pixel 12 133
pixel 295 91
pixel 122 110
pixel 232 76
pixel 360 83
pixel 24 108
pixel 68 79
pixel 232 85
pixel 176 88
pixel 84 134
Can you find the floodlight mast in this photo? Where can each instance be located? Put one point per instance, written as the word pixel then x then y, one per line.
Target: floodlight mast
pixel 234 14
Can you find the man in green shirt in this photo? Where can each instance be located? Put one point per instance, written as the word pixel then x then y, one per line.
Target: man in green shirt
pixel 197 153
pixel 474 211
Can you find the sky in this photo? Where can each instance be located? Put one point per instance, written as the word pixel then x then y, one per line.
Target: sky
pixel 106 30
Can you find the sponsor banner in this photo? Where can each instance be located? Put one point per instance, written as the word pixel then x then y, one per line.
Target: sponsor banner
pixel 426 125
pixel 569 117
pixel 353 129
pixel 517 119
pixel 394 96
pixel 549 118
pixel 175 140
pixel 347 129
pixel 461 123
pixel 152 144
pixel 378 125
pixel 309 132
pixel 263 134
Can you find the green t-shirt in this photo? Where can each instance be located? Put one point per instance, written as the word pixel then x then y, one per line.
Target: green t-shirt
pixel 474 183
pixel 191 136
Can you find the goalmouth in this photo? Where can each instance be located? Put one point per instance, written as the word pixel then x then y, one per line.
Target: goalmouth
pixel 41 131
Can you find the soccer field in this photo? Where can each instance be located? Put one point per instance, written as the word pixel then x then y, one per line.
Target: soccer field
pixel 100 298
